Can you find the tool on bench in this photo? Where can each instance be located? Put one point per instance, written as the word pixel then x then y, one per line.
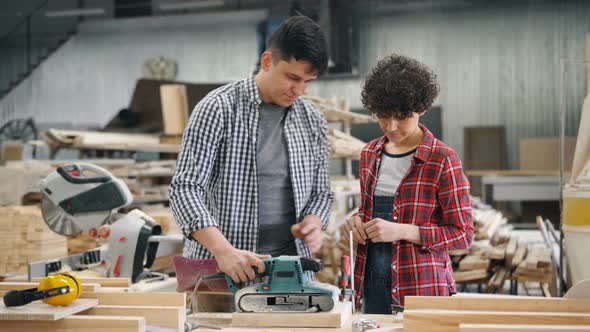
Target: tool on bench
pixel 346 282
pixel 85 198
pixel 285 285
pixel 59 289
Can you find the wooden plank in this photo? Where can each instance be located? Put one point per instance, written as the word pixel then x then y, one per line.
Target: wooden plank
pixel 174 108
pixel 104 282
pixel 13 285
pixel 172 317
pixel 520 328
pixel 335 318
pixel 473 262
pixel 38 310
pixel 448 320
pixel 498 303
pixel 463 276
pixel 162 299
pixel 108 141
pixel 78 324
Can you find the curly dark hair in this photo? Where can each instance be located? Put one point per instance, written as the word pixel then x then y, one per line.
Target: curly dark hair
pixel 399 86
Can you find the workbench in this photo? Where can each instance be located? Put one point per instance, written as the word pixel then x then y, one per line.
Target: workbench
pixel 223 320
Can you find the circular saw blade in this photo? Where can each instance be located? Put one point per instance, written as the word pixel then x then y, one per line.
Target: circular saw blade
pixel 62 223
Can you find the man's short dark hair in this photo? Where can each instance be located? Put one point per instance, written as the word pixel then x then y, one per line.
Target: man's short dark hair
pixel 300 38
pixel 399 86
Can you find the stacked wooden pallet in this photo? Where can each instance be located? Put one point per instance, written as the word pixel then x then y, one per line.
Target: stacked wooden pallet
pixel 116 309
pixel 26 238
pixel 495 313
pixel 342 144
pixel 497 254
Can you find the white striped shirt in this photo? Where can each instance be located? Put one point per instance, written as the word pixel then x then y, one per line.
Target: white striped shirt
pixel 215 182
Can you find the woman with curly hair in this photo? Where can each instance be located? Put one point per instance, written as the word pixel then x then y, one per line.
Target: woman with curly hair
pixel 415 203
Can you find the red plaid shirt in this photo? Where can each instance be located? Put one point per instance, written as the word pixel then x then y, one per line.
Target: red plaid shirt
pixel 433 195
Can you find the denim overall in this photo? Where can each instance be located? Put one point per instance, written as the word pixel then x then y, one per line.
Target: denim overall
pixel 377 285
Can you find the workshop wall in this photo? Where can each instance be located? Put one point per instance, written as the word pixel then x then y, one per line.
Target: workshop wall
pixel 89 79
pixel 497 64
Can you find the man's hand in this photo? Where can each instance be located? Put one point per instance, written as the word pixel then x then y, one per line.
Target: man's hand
pixel 379 230
pixel 237 264
pixel 358 230
pixel 310 231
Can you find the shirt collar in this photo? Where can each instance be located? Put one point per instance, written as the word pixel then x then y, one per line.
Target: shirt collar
pixel 424 148
pixel 252 93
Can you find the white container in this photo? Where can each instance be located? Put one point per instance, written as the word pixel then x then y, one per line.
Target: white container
pixel 576 230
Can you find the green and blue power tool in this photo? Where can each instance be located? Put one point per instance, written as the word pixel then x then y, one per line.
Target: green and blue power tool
pixel 285 286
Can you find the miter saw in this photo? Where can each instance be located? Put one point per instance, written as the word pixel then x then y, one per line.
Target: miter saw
pixel 84 197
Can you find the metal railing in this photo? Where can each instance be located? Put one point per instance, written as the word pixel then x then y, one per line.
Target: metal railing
pixel 30 42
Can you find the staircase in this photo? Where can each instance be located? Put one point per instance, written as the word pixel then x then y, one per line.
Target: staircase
pixel 32 41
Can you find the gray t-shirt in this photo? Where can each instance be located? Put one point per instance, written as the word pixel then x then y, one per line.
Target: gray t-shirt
pixel 392 170
pixel 276 205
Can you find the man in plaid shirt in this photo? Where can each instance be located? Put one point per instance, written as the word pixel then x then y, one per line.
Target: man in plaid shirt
pixel 251 179
pixel 415 203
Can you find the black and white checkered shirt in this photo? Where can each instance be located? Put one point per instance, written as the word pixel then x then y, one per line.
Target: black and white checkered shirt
pixel 215 183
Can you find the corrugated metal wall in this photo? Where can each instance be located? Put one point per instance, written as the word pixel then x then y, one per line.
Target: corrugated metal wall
pixel 496 65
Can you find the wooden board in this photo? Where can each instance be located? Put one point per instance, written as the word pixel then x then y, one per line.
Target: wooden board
pixel 335 318
pixel 172 317
pixel 520 328
pixel 38 310
pixel 78 324
pixel 498 303
pixel 174 108
pixel 433 320
pixel 137 299
pixel 108 141
pixel 484 147
pixel 542 153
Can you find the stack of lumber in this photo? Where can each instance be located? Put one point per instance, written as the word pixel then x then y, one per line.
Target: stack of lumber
pixel 335 243
pixel 115 307
pixel 343 145
pixel 497 255
pixel 26 238
pixel 495 313
pixel 536 265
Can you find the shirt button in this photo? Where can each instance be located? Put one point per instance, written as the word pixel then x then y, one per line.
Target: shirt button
pixel 395 218
pixel 395 290
pixel 393 266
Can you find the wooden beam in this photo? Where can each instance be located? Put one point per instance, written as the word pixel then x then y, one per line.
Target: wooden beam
pixel 464 276
pixel 38 310
pixel 137 299
pixel 335 318
pixel 449 320
pixel 521 328
pixel 498 303
pixel 78 324
pixel 172 317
